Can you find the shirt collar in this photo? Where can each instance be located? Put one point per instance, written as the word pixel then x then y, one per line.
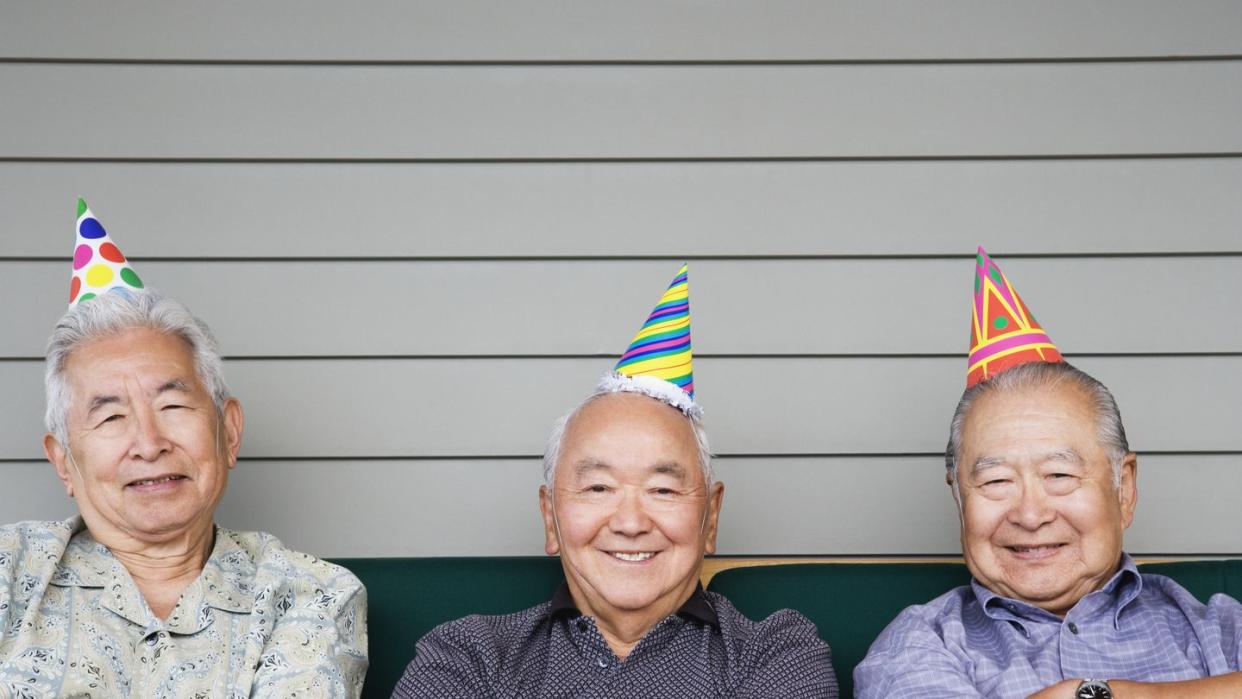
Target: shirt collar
pixel 1120 590
pixel 696 607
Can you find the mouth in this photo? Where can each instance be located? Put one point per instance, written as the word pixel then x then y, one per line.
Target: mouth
pixel 157 482
pixel 633 556
pixel 1035 552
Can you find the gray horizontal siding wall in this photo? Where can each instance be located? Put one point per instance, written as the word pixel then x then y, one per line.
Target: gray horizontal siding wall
pixel 493 196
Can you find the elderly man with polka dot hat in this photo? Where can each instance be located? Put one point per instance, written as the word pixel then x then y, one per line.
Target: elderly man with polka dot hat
pixel 630 505
pixel 142 594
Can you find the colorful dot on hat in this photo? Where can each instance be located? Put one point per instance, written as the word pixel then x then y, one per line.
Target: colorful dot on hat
pixel 111 253
pixel 1000 323
pixel 74 287
pixel 90 229
pixel 131 278
pixel 81 255
pixel 99 275
pixel 81 206
pixel 86 297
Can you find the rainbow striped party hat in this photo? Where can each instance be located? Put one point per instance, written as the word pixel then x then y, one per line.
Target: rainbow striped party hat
pixel 98 264
pixel 658 362
pixel 1003 333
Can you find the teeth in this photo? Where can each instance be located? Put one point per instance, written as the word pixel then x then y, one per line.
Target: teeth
pixel 153 481
pixel 633 556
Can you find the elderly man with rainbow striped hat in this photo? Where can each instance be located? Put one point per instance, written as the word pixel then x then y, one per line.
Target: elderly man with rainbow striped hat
pixel 1045 484
pixel 630 505
pixel 141 594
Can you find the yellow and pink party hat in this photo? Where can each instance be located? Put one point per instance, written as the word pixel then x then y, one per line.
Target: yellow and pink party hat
pixel 98 265
pixel 659 362
pixel 1003 333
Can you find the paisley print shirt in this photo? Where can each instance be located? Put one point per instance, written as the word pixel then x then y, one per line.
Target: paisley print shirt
pixel 260 621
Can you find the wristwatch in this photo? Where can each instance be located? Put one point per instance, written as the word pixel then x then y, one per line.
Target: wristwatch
pixel 1093 689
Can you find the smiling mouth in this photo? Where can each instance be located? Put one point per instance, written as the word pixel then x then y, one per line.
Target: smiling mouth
pixel 1035 552
pixel 633 556
pixel 147 482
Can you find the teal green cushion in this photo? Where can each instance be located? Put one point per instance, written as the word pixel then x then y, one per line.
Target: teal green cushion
pixel 851 603
pixel 407 597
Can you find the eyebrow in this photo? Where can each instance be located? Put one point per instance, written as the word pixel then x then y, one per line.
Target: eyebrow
pixel 588 465
pixel 986 462
pixel 1065 455
pixel 171 385
pixel 671 468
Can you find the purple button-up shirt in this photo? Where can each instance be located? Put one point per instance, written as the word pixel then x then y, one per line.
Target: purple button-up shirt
pixel 971 642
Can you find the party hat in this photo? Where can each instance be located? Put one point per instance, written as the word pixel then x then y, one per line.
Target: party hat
pixel 1003 333
pixel 658 361
pixel 98 264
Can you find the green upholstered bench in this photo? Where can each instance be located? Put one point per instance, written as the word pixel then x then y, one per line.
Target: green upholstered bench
pixel 850 602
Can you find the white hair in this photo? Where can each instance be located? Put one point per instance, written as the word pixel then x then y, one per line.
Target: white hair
pixel 115 312
pixel 1109 430
pixel 552 451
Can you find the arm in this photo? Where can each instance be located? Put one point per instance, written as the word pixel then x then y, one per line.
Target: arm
pixel 444 665
pixel 318 648
pixel 912 670
pixel 1221 686
pixel 787 658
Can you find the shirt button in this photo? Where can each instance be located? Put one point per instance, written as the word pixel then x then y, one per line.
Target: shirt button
pixel 601 662
pixel 1073 628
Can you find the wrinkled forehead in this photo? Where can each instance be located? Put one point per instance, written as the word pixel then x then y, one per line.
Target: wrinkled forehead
pixel 1060 416
pixel 629 432
pixel 140 359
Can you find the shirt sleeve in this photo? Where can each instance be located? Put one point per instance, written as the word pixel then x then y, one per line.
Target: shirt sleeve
pixel 448 662
pixel 910 659
pixel 319 649
pixel 787 658
pixel 1226 612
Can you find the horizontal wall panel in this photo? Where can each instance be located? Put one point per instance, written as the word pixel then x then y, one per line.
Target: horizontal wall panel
pixel 645 30
pixel 591 307
pixel 617 209
pixel 845 506
pixel 177 111
pixel 493 407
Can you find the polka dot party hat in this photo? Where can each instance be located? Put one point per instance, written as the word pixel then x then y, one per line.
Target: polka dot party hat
pixel 98 264
pixel 1003 333
pixel 658 362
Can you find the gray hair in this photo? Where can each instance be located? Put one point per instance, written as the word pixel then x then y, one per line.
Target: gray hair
pixel 552 451
pixel 1109 430
pixel 112 313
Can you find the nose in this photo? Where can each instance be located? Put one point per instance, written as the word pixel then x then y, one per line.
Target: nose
pixel 149 440
pixel 630 518
pixel 1033 508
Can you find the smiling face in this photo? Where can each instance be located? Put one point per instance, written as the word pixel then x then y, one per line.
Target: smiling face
pixel 631 514
pixel 148 454
pixel 1041 518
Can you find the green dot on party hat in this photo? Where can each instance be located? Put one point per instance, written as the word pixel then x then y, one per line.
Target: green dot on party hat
pixel 978 257
pixel 996 275
pixel 130 278
pixel 81 206
pixel 86 297
pixel 976 282
pixel 1000 323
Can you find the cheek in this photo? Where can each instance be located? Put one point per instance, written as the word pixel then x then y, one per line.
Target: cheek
pixel 579 524
pixel 982 517
pixel 682 527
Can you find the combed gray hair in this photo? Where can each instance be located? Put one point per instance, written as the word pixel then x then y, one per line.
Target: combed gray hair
pixel 1108 427
pixel 112 313
pixel 552 451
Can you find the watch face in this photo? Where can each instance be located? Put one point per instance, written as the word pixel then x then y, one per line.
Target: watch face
pixel 1093 690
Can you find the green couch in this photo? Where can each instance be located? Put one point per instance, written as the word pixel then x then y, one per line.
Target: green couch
pixel 849 602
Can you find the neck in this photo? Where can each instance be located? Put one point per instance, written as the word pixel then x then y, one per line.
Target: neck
pixel 623 629
pixel 162 569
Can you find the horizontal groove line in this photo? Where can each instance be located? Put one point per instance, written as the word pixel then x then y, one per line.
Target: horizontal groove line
pixel 846 257
pixel 698 355
pixel 725 456
pixel 636 62
pixel 1017 157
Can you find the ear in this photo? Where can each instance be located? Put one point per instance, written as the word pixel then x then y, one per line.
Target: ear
pixel 1127 490
pixel 60 459
pixel 714 499
pixel 551 542
pixel 233 421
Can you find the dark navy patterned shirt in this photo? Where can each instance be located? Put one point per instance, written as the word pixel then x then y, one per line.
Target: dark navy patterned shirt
pixel 971 642
pixel 706 649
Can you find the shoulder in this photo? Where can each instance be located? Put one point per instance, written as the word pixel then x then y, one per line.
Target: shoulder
pixel 33 548
pixel 1166 594
pixel 274 562
pixel 487 634
pixel 783 624
pixel 940 622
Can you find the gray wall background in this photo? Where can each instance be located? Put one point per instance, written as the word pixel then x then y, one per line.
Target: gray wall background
pixel 423 230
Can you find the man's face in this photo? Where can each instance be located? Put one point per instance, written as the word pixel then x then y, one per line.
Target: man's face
pixel 148 454
pixel 631 515
pixel 1041 519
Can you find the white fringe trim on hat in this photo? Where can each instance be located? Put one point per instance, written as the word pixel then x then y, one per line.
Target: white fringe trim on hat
pixel 661 390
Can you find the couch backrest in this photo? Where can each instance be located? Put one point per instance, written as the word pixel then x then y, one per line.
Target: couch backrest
pixel 850 603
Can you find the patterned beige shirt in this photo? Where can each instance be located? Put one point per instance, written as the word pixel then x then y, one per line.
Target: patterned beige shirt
pixel 260 621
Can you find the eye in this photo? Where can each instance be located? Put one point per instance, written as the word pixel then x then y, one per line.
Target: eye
pixel 111 418
pixel 996 481
pixel 173 406
pixel 597 488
